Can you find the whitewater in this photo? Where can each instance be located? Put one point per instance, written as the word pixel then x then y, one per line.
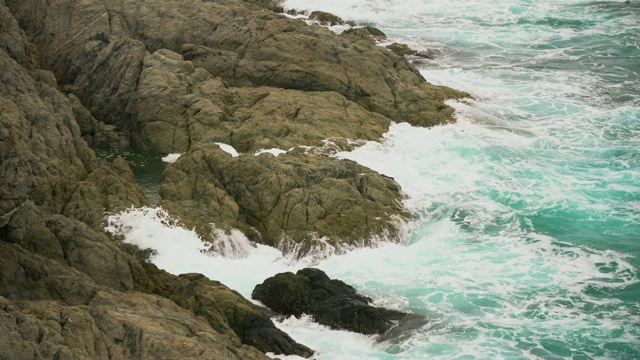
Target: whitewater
pixel 526 237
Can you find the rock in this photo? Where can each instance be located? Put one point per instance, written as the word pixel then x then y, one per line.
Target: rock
pixel 181 105
pixel 313 201
pixel 44 157
pixel 273 5
pixel 401 49
pixel 325 18
pixel 170 76
pixel 111 325
pixel 364 33
pixel 285 119
pixel 330 302
pixel 13 40
pixel 220 305
pixel 99 269
pixel 67 290
pixel 244 47
pixel 96 133
pixel 405 50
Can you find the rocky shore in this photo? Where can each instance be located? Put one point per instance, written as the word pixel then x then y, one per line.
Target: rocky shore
pixel 167 76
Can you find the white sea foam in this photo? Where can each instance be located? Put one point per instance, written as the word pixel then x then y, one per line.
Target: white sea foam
pixel 330 344
pixel 171 158
pixel 509 281
pixel 228 149
pixel 181 251
pixel 272 151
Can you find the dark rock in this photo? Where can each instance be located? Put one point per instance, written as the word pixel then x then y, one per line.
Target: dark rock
pixel 330 302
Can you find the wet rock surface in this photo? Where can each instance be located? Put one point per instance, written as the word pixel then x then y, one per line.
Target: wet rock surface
pixel 330 302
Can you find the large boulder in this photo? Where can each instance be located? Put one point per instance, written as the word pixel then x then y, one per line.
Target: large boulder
pixel 180 105
pixel 330 302
pixel 309 200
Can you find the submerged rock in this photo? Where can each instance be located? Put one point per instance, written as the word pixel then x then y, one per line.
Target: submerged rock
pixel 330 302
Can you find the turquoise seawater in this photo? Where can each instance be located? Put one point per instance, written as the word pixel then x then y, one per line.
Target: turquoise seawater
pixel 527 238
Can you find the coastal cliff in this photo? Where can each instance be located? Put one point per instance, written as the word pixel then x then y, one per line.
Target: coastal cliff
pixel 175 77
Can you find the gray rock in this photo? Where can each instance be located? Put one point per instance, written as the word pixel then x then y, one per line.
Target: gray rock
pixel 180 105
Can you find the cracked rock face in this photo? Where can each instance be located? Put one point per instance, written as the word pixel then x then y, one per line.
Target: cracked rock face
pixel 174 76
pixel 67 290
pixel 67 315
pixel 104 52
pixel 292 196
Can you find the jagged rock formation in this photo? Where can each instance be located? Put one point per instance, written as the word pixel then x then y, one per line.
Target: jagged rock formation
pixel 330 302
pixel 167 76
pixel 174 76
pixel 292 196
pixel 66 289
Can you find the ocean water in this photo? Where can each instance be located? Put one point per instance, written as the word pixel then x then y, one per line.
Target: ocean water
pixel 526 243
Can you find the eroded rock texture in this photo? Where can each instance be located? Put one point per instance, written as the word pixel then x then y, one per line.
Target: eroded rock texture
pixel 67 290
pixel 170 76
